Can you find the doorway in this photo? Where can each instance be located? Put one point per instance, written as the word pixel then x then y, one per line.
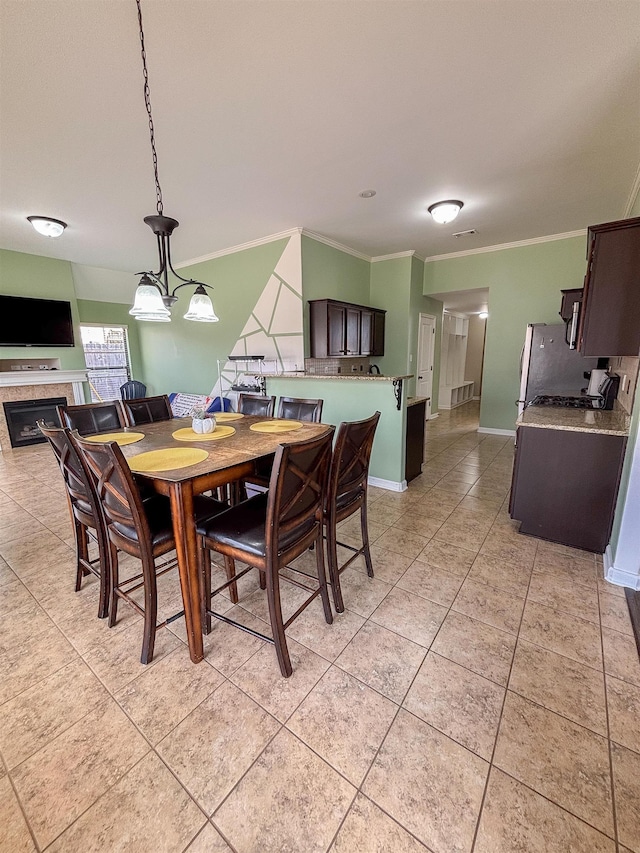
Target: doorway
pixel 426 353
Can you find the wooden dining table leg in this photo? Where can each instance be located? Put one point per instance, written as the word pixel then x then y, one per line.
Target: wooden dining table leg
pixel 184 531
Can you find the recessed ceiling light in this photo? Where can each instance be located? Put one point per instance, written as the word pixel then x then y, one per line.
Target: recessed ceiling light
pixel 445 211
pixel 367 193
pixel 46 226
pixel 483 315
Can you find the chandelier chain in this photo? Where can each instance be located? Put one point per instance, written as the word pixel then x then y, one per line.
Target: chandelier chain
pixel 147 103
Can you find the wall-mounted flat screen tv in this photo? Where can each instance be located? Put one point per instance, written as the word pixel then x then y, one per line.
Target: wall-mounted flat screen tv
pixel 35 322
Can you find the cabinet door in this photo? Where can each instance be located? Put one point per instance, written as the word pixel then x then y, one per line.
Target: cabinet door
pixel 377 347
pixel 353 331
pixel 611 320
pixel 366 332
pixel 336 319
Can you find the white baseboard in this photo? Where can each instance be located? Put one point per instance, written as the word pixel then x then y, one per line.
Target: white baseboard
pixel 488 431
pixel 389 485
pixel 475 398
pixel 433 417
pixel 618 576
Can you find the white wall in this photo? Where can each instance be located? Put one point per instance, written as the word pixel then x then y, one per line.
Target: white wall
pixel 475 353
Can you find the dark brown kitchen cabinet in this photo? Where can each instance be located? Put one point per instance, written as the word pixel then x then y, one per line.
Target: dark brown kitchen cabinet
pixel 342 329
pixel 565 484
pixel 610 323
pixel 414 451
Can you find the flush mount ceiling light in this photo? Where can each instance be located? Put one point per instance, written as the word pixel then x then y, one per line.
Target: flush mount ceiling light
pixel 46 226
pixel 367 193
pixel 483 315
pixel 153 297
pixel 445 211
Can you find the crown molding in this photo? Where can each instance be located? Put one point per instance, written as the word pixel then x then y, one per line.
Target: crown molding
pixel 251 244
pixel 635 189
pixel 392 257
pixel 320 238
pixel 531 242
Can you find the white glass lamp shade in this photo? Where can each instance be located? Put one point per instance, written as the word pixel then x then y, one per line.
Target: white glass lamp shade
pixel 148 304
pixel 444 212
pixel 201 308
pixel 46 226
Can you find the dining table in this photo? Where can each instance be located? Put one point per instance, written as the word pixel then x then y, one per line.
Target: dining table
pixel 230 456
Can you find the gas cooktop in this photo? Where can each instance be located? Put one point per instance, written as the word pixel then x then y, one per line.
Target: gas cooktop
pixel 567 402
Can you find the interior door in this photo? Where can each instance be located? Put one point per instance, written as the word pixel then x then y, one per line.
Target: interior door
pixel 426 350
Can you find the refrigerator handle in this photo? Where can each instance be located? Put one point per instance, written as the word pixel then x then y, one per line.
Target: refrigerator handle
pixel 573 334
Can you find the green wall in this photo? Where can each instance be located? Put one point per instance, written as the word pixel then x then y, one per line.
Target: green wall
pixel 328 273
pixel 357 399
pixel 419 304
pixel 116 314
pixel 181 355
pixel 524 287
pixel 41 278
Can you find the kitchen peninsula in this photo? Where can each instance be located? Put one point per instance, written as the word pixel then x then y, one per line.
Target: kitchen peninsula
pixel 352 397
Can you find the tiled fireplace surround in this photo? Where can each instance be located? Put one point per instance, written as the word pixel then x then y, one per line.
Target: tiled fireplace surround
pixel 38 384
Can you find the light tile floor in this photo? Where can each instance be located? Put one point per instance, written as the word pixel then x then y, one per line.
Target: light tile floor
pixel 481 693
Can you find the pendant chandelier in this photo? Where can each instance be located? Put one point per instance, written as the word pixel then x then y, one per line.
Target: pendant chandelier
pixel 154 298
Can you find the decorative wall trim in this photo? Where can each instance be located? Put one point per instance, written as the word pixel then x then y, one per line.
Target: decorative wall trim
pixel 498 248
pixel 487 431
pixel 251 244
pixel 635 189
pixel 389 485
pixel 334 244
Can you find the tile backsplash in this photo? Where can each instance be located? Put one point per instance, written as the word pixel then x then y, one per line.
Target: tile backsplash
pixel 331 366
pixel 626 366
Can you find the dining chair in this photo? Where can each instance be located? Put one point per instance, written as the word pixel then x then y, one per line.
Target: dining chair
pixel 91 418
pixel 141 528
pixel 254 404
pixel 270 530
pixel 86 513
pixel 346 494
pixel 148 410
pixel 293 408
pixel 133 390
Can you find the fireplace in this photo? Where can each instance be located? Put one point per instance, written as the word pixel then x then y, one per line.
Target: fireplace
pixel 22 415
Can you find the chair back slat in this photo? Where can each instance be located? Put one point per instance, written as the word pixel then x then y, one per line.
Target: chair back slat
pixel 148 410
pixel 117 491
pixel 351 457
pixel 92 417
pixel 297 490
pixel 77 478
pixel 133 390
pixel 297 409
pixel 252 404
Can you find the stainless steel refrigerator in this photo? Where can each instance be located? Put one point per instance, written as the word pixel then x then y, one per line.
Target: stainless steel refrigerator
pixel 549 366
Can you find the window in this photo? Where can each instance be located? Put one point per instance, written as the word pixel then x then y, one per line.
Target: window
pixel 106 354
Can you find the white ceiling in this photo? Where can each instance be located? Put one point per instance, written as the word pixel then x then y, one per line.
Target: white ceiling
pixel 271 115
pixel 464 301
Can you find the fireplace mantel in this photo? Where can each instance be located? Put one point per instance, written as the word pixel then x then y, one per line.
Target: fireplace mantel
pixel 17 378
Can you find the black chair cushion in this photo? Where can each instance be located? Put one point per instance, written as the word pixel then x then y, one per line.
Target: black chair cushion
pixel 243 526
pixel 347 498
pixel 158 511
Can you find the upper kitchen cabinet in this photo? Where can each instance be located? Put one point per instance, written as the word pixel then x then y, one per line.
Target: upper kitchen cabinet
pixel 341 329
pixel 610 324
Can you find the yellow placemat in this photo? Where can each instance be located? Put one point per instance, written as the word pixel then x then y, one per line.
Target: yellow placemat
pixel 121 438
pixel 187 434
pixel 167 459
pixel 276 426
pixel 222 417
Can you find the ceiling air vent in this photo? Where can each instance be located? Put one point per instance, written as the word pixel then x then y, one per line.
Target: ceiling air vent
pixel 465 233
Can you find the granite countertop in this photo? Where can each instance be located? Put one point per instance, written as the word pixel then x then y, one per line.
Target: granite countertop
pixel 359 377
pixel 413 401
pixel 577 420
